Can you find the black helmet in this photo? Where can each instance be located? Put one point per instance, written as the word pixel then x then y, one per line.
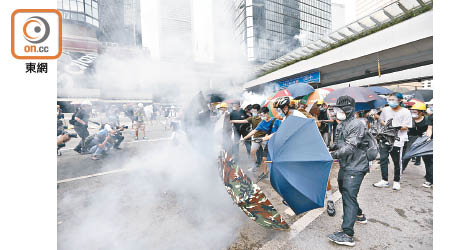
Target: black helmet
pixel 347 104
pixel 282 102
pixel 345 100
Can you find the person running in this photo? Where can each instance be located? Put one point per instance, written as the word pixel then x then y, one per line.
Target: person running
pixel 401 118
pixel 140 118
pixel 419 128
pixel 81 119
pixel 269 126
pixel 255 145
pixel 353 167
pixel 237 114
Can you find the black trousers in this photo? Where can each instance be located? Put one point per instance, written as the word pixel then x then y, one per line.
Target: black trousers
pixel 83 133
pixel 118 138
pixel 428 160
pixel 349 184
pixel 384 162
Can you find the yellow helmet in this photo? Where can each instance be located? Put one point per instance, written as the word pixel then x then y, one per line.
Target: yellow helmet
pixel 222 105
pixel 419 106
pixel 320 101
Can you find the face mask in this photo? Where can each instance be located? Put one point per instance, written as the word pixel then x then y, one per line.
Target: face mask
pixel 282 115
pixel 322 109
pixel 393 104
pixel 254 114
pixel 341 116
pixel 414 115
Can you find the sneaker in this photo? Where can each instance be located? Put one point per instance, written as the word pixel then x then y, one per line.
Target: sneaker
pixel 342 239
pixel 381 184
pixel 145 138
pixel 427 184
pixel 330 208
pixel 396 185
pixel 361 219
pixel 77 150
pixel 136 138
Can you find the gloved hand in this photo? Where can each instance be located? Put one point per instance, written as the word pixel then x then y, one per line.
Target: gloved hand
pixel 333 154
pixel 332 147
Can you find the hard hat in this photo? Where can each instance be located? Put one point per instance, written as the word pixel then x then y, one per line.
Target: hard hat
pixel 222 105
pixel 419 106
pixel 320 101
pixel 86 102
pixel 140 105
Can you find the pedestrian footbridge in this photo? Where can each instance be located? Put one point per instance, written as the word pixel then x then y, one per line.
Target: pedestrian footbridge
pixel 392 45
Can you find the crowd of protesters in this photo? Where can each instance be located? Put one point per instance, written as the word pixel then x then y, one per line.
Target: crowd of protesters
pixel 109 134
pixel 344 131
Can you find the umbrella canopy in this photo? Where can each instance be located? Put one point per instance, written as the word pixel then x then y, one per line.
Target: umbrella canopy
pixel 318 95
pixel 362 106
pixel 381 90
pixel 300 164
pixel 360 94
pixel 399 89
pixel 273 111
pixel 300 89
pixel 424 95
pixel 422 146
pixel 412 101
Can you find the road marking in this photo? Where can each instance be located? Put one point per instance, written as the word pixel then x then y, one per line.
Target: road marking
pixel 128 142
pixel 92 175
pixel 299 225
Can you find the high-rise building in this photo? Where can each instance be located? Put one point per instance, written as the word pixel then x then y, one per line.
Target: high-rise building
pixel 120 22
pixel 175 30
pixel 337 16
pixel 272 28
pixel 366 7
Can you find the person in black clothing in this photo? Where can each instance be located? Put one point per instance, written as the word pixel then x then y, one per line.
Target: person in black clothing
pixel 238 114
pixel 81 126
pixel 420 126
pixel 324 120
pixel 354 165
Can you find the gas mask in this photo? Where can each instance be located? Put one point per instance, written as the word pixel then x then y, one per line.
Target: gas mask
pixel 340 114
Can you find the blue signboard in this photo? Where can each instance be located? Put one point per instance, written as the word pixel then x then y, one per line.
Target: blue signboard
pixel 308 78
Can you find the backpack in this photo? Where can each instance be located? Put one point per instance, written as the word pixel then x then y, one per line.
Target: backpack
pixel 271 126
pixel 370 145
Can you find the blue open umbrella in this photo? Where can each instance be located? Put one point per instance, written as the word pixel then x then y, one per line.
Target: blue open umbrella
pixel 300 164
pixel 381 90
pixel 300 89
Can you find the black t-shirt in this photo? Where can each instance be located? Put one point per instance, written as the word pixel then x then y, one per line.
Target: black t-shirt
pixel 83 115
pixel 419 127
pixel 323 125
pixel 239 115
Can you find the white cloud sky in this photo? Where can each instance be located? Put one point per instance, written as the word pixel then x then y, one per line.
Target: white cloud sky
pixel 350 9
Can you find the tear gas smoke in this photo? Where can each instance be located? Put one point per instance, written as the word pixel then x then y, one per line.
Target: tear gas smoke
pixel 172 196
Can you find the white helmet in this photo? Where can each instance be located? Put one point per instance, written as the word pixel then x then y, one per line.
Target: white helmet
pixel 108 127
pixel 140 105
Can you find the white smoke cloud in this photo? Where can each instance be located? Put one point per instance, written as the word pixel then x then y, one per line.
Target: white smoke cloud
pixel 172 196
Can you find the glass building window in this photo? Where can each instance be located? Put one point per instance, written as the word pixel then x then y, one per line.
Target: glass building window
pixel 80 10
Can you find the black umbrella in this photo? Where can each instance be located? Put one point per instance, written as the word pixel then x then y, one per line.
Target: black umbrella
pixel 360 94
pixel 422 146
pixel 424 95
